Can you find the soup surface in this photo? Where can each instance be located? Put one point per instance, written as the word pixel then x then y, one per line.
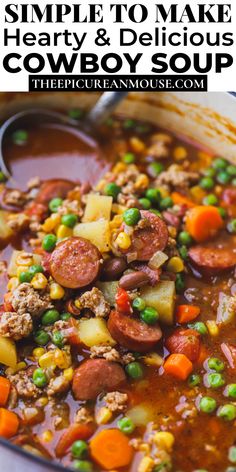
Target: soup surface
pixel 118 292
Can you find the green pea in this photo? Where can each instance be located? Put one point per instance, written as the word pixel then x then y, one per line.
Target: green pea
pixel 58 339
pixel 131 216
pixel 139 304
pixel 231 226
pixel 128 123
pixel 194 380
pixel 128 158
pixel 79 449
pixel 155 168
pixel 49 242
pixel 41 337
pixel 183 252
pixel 210 200
pixel 163 467
pixel 227 412
pixel 69 220
pixel 215 364
pixel 76 113
pixel 207 404
pixel 219 163
pixel 65 316
pixel 230 390
pixel 54 204
pixel 154 195
pixel 185 238
pixel 126 425
pixel 25 277
pixel 207 183
pixel 231 170
pixel 222 212
pixel 223 177
pixel 234 182
pixel 145 203
pixel 39 378
pixel 215 380
pixel 112 190
pixel 199 326
pixel 179 283
pixel 134 370
pixel 165 203
pixel 149 315
pixel 20 137
pixel 35 269
pixel 232 454
pixel 210 172
pixel 2 177
pixel 83 466
pixel 50 317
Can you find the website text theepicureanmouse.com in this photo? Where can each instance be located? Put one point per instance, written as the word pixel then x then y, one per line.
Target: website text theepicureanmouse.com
pixel 118 83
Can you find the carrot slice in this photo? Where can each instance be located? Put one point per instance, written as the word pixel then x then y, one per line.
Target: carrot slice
pixel 203 222
pixel 111 449
pixel 74 432
pixel 4 390
pixel 203 354
pixel 180 199
pixel 178 365
pixel 9 423
pixel 185 313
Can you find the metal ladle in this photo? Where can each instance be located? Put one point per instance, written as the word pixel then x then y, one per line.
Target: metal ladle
pixel 102 109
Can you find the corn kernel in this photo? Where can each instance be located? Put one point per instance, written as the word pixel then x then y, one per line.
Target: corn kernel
pixel 146 464
pixel 62 359
pixel 12 284
pixel 47 360
pixel 51 223
pixel 119 167
pixel 116 221
pixel 218 190
pixel 164 192
pixel 123 240
pixel 56 291
pixel 24 259
pixel 43 401
pixel 205 158
pixel 39 281
pixel 118 209
pixel 164 440
pixel 64 232
pixel 137 145
pixel 175 264
pixel 103 415
pixel 153 359
pixel 38 352
pixel 77 303
pixel 197 193
pixel 68 374
pixel 20 366
pixel 212 328
pixel 47 436
pixel 21 269
pixel 142 182
pixel 180 153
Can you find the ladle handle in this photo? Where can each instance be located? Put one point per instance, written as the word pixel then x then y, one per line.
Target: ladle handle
pixel 104 107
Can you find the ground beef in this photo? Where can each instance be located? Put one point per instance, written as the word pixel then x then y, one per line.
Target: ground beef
pixel 158 149
pixel 84 416
pixel 15 326
pixel 175 176
pixel 116 401
pixel 232 304
pixel 18 222
pixel 27 300
pixel 70 206
pixel 94 300
pixel 127 358
pixel 24 385
pixel 58 385
pixel 109 353
pixel 14 197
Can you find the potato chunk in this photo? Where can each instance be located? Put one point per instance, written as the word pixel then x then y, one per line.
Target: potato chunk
pixel 97 232
pixel 8 354
pixel 93 332
pixel 161 297
pixel 97 207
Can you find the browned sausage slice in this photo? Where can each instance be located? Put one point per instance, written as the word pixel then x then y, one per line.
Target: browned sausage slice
pixel 54 188
pixel 212 261
pixel 95 376
pixel 151 237
pixel 132 333
pixel 75 263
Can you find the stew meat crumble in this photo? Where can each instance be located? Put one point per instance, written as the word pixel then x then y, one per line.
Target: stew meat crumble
pixel 117 323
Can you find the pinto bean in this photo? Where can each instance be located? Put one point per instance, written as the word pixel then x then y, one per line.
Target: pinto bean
pixel 113 268
pixel 134 280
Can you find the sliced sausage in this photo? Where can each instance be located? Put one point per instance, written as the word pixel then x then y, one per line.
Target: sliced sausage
pixel 95 376
pixel 184 341
pixel 212 260
pixel 75 263
pixel 149 238
pixel 54 188
pixel 132 333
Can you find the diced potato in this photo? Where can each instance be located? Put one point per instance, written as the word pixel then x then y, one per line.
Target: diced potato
pixel 161 297
pixel 93 332
pixel 140 414
pixel 5 231
pixel 97 207
pixel 109 290
pixel 12 266
pixel 225 310
pixel 98 232
pixel 7 352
